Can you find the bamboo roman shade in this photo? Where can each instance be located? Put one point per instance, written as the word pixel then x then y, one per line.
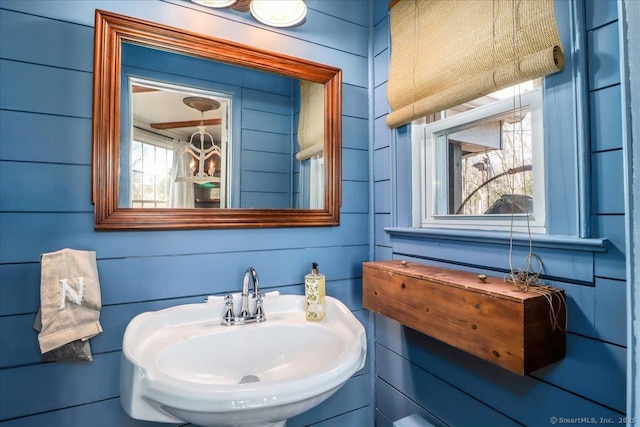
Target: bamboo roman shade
pixel 311 122
pixel 447 52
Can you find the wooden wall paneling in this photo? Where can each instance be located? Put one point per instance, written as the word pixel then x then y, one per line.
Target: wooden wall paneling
pixel 135 279
pixel 571 266
pixel 588 362
pixel 381 68
pixel 45 187
pixel 256 141
pixel 52 231
pixel 383 252
pixel 39 40
pixel 356 130
pixel 261 200
pixel 525 399
pixel 266 182
pixel 380 103
pixel 395 405
pixel 434 394
pixel 266 121
pixel 382 134
pixel 607 183
pixel 610 311
pixel 59 385
pixel 599 13
pixel 605 118
pixel 265 99
pixel 381 221
pixel 139 279
pixel 351 11
pixel 382 191
pixel 110 414
pixel 611 264
pixel 218 24
pixel 382 420
pixel 355 197
pixel 43 89
pixel 381 164
pixel 355 101
pixel 184 254
pixel 353 395
pixel 380 35
pixel 23 348
pixel 358 417
pixel 588 305
pixel 144 60
pixel 45 138
pixel 355 165
pixel 261 81
pixel 603 56
pixel 264 161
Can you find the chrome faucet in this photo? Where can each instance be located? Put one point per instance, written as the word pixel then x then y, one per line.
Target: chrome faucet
pixel 244 316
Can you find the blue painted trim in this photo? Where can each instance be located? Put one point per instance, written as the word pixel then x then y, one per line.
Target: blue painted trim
pixel 502 238
pixel 629 35
pixel 371 217
pixel 581 102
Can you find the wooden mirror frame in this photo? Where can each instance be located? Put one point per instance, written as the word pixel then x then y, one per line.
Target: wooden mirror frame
pixel 111 30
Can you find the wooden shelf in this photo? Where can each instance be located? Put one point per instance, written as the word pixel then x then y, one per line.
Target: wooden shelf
pixel 494 320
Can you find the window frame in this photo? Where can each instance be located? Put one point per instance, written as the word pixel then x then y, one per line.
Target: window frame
pixel 157 142
pixel 425 168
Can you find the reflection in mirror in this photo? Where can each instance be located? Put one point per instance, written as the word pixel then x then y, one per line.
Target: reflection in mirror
pixel 178 148
pixel 276 123
pixel 270 154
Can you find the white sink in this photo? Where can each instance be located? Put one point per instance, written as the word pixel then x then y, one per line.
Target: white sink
pixel 181 365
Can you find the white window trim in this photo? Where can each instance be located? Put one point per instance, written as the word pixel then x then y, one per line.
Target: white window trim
pixel 423 179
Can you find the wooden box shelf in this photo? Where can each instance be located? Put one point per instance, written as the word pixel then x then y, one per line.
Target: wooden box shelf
pixel 492 320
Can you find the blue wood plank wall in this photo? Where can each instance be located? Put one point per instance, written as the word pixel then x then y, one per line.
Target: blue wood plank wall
pixel 46 54
pixel 417 374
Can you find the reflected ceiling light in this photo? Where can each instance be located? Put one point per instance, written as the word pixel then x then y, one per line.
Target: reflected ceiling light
pixel 275 13
pixel 215 3
pixel 279 13
pixel 197 143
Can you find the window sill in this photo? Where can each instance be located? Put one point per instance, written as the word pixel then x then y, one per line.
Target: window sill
pixel 502 238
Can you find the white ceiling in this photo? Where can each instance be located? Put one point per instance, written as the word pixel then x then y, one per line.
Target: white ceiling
pixel 161 106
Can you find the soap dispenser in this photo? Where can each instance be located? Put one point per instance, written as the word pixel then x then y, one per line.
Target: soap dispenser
pixel 314 292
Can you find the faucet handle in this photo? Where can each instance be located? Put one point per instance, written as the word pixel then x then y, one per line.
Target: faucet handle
pixel 228 317
pixel 259 310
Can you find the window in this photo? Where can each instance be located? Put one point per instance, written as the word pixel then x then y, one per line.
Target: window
pixel 481 164
pixel 151 174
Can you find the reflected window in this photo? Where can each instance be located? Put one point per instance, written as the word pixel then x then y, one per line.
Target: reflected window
pixel 151 164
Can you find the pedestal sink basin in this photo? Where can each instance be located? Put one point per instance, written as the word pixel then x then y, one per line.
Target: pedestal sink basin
pixel 181 365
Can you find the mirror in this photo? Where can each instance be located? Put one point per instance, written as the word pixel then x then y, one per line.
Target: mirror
pixel 124 126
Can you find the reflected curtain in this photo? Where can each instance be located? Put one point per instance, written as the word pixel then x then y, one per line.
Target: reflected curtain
pixel 311 121
pixel 447 52
pixel 182 194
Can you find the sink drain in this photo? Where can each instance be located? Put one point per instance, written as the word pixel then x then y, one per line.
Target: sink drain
pixel 249 379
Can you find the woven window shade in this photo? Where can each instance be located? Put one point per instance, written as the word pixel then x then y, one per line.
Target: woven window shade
pixel 447 52
pixel 311 122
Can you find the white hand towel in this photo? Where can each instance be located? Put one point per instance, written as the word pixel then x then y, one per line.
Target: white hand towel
pixel 70 300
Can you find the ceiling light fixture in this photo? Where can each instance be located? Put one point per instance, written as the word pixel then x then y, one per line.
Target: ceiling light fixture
pixel 275 13
pixel 279 13
pixel 199 153
pixel 215 3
